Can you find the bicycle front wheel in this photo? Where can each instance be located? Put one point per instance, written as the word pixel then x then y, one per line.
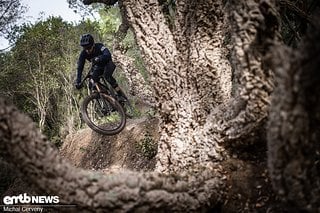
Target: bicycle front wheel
pixel 103 114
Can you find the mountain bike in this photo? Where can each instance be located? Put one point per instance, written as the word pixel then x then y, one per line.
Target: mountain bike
pixel 102 110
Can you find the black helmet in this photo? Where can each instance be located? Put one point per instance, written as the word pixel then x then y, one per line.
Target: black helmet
pixel 86 40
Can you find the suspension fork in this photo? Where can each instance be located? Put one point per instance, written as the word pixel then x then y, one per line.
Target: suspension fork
pixel 95 85
pixel 103 104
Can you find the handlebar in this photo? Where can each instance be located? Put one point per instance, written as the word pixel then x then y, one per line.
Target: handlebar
pixel 85 78
pixel 88 74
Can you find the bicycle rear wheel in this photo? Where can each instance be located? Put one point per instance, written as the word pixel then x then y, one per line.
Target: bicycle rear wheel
pixel 103 114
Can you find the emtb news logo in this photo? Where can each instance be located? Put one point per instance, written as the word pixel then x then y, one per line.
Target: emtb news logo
pixel 28 203
pixel 26 199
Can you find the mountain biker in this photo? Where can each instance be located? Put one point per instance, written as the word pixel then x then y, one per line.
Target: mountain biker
pixel 102 62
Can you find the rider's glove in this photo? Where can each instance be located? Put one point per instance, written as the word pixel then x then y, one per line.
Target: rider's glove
pixel 78 85
pixel 96 60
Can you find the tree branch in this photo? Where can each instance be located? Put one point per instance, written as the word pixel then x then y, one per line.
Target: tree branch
pixel 155 41
pixel 255 29
pixel 106 2
pixel 34 156
pixel 292 6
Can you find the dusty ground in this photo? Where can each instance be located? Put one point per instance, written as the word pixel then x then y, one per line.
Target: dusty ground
pixel 133 148
pixel 250 188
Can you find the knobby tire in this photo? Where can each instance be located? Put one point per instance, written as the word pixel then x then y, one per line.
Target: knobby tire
pixel 102 128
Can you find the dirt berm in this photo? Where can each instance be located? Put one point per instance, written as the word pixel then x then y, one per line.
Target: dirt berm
pixel 134 148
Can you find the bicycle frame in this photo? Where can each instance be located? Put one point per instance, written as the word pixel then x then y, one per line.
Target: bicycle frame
pixel 102 85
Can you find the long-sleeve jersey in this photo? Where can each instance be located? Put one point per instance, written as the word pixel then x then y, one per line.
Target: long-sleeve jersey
pixel 99 51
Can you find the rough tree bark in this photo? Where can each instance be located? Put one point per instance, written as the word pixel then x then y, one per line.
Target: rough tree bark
pixel 200 116
pixel 191 76
pixel 294 133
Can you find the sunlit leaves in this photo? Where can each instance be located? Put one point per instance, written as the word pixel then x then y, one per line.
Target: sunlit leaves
pixel 109 22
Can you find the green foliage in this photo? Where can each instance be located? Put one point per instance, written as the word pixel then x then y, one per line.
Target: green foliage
pixel 147 146
pixel 11 11
pixel 109 23
pixel 37 74
pixel 38 56
pixel 84 10
pixel 43 62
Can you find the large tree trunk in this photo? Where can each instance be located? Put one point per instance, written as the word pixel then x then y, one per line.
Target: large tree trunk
pixel 294 134
pixel 191 75
pixel 183 65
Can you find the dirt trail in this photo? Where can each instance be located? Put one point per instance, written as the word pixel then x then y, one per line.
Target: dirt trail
pixel 130 149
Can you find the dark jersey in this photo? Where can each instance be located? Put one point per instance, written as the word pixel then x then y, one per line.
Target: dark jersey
pixel 99 51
